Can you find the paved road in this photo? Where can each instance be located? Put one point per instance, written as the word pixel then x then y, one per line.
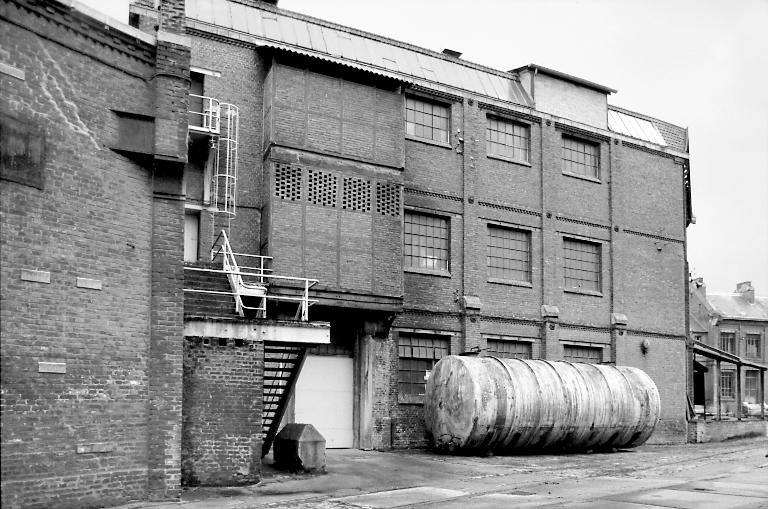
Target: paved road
pixel 725 475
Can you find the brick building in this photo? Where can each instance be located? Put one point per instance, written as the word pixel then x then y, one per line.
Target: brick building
pixel 443 207
pixel 733 326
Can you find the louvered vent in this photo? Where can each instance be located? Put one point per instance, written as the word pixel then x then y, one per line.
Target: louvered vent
pixel 321 188
pixel 388 199
pixel 287 182
pixel 356 195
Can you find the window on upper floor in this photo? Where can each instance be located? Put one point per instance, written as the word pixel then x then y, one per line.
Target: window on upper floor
pixel 427 120
pixel 726 384
pixel 510 348
pixel 507 139
pixel 582 265
pixel 417 355
pixel 509 254
pixel 583 353
pixel 753 346
pixel 728 341
pixel 581 157
pixel 426 242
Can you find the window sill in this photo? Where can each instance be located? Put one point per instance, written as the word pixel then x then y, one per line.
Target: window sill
pixel 509 282
pixel 591 293
pixel 428 142
pixel 582 177
pixel 508 160
pixel 410 399
pixel 427 272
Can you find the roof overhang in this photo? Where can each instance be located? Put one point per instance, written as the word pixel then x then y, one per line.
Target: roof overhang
pixel 720 355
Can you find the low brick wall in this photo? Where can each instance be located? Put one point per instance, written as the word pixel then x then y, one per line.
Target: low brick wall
pixel 719 431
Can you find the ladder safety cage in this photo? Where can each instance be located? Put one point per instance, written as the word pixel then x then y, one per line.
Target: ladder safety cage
pixel 225 169
pixel 253 281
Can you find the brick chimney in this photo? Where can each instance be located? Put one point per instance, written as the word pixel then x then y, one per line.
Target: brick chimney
pixel 746 290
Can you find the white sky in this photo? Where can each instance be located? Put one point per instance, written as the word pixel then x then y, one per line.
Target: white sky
pixel 701 64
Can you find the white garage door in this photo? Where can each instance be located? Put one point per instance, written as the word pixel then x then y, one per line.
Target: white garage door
pixel 324 398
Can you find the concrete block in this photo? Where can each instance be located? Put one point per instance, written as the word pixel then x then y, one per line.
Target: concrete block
pixel 300 447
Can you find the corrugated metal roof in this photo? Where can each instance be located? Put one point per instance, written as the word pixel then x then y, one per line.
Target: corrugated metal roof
pixel 734 305
pixel 635 127
pixel 626 122
pixel 310 36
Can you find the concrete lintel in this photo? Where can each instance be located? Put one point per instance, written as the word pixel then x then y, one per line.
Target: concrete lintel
pixel 550 312
pixel 471 302
pixel 286 332
pixel 619 319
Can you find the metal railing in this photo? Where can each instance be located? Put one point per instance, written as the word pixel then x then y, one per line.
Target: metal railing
pixel 207 119
pixel 253 281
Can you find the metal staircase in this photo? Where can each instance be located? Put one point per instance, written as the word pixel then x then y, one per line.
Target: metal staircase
pixel 282 365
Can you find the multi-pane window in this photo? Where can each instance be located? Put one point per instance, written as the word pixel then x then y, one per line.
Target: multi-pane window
pixel 425 241
pixel 582 264
pixel 728 341
pixel 509 254
pixel 581 157
pixel 507 139
pixel 726 384
pixel 581 353
pixel 510 349
pixel 418 354
pixel 753 346
pixel 751 386
pixel 426 120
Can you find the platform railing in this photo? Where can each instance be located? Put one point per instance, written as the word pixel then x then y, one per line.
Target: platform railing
pixel 207 119
pixel 253 281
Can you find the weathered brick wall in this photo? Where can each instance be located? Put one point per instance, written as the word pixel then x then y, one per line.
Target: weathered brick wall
pixel 664 363
pixel 222 411
pixel 240 83
pixel 74 439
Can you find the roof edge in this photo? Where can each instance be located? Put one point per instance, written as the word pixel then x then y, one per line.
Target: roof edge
pixel 644 116
pixel 566 77
pixel 381 38
pixel 109 21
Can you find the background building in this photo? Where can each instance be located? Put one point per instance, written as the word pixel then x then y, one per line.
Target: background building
pixel 444 208
pixel 735 325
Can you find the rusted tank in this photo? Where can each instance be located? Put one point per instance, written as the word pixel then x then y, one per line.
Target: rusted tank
pixel 487 404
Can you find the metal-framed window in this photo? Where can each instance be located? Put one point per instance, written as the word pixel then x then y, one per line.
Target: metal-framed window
pixel 726 384
pixel 728 341
pixel 581 157
pixel 418 354
pixel 427 120
pixel 507 139
pixel 426 241
pixel 753 346
pixel 510 349
pixel 583 353
pixel 751 386
pixel 582 264
pixel 509 253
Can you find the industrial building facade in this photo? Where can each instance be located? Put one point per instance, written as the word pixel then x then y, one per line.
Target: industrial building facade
pixel 434 206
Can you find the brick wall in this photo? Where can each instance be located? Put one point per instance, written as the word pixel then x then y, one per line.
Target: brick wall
pixel 79 438
pixel 222 411
pixel 328 125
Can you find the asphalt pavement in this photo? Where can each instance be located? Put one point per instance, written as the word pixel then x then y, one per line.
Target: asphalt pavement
pixel 731 474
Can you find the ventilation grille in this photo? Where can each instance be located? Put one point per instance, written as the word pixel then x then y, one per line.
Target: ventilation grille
pixel 287 182
pixel 388 199
pixel 356 195
pixel 321 188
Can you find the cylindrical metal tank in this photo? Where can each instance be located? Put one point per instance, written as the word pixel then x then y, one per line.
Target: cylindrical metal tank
pixel 487 404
